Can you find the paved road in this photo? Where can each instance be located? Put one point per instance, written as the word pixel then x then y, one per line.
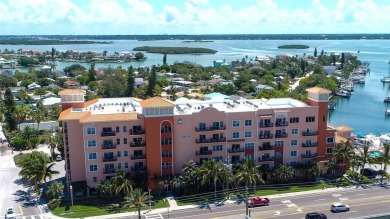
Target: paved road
pixel 13 193
pixel 363 202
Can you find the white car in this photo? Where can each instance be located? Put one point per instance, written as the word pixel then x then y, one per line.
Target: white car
pixel 336 207
pixel 10 213
pixel 58 158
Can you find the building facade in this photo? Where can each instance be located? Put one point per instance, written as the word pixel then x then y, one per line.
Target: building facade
pixel 159 136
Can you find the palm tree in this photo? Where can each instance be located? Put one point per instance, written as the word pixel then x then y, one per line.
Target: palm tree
pixel 345 152
pixel 333 167
pixel 38 116
pixel 137 199
pixel 365 156
pixel 283 173
pixel 47 170
pixel 315 171
pixel 122 183
pixel 248 173
pixel 212 171
pixel 105 188
pixel 20 115
pixel 384 158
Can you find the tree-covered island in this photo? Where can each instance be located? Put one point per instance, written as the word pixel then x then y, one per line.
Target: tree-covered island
pixel 175 50
pixel 33 41
pixel 293 46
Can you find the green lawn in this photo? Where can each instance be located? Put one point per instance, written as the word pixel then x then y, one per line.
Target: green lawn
pixel 89 210
pixel 20 157
pixel 288 189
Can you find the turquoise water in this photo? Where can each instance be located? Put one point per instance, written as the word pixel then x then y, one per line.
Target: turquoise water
pixel 364 111
pixel 375 154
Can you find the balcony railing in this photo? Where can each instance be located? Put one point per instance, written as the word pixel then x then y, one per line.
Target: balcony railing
pixel 281 135
pixel 237 161
pixel 210 140
pixel 138 157
pixel 266 136
pixel 265 159
pixel 280 124
pixel 204 152
pixel 137 144
pixel 311 144
pixel 109 146
pixel 266 148
pixel 106 171
pixel 109 158
pixel 310 133
pixel 138 168
pixel 309 155
pixel 235 150
pixel 265 125
pixel 137 132
pixel 108 133
pixel 210 128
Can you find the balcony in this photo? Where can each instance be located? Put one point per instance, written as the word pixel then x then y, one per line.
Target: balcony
pixel 137 132
pixel 108 133
pixel 237 161
pixel 204 152
pixel 137 144
pixel 107 171
pixel 211 128
pixel 109 146
pixel 266 148
pixel 266 125
pixel 235 150
pixel 309 155
pixel 281 135
pixel 280 124
pixel 138 168
pixel 310 133
pixel 265 159
pixel 266 136
pixel 138 157
pixel 109 158
pixel 210 140
pixel 311 144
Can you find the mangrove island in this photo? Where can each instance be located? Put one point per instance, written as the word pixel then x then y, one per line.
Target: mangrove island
pixel 293 46
pixel 175 50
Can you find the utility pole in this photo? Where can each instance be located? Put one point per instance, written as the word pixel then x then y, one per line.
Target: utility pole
pixel 246 201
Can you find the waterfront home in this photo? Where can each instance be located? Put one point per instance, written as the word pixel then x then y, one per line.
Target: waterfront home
pixel 139 82
pixel 72 84
pixel 329 69
pixel 33 86
pixel 47 69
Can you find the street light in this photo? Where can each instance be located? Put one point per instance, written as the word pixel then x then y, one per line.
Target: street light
pixel 150 201
pixel 71 194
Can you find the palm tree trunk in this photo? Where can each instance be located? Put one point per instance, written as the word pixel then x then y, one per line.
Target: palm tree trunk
pixel 139 212
pixel 215 190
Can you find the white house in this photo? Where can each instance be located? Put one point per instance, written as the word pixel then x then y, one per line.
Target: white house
pixel 33 86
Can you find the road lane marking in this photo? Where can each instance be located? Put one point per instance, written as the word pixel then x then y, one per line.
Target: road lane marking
pixel 336 195
pixel 20 209
pixel 277 213
pixel 321 199
pixel 291 205
pixel 343 199
pixel 286 201
pixel 360 194
pixel 350 212
pixel 299 209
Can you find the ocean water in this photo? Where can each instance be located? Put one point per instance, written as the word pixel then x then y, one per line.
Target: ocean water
pixel 364 111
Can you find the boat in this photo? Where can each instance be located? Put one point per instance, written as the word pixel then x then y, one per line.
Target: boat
pixel 331 106
pixel 385 79
pixel 387 112
pixel 387 100
pixel 343 93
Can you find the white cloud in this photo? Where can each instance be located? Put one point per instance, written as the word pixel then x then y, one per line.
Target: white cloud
pixel 199 2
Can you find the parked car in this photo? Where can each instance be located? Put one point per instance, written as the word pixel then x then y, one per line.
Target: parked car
pixel 257 201
pixel 10 213
pixel 336 207
pixel 315 215
pixel 58 158
pixel 10 210
pixel 369 172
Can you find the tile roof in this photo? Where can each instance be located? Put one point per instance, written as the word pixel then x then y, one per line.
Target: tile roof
pixel 90 102
pixel 73 115
pixel 109 117
pixel 344 128
pixel 156 102
pixel 340 139
pixel 318 90
pixel 71 91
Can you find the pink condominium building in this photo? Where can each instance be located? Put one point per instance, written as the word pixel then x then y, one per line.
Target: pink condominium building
pixel 159 136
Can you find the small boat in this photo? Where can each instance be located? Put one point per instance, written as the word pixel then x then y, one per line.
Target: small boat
pixel 343 93
pixel 385 80
pixel 387 100
pixel 331 107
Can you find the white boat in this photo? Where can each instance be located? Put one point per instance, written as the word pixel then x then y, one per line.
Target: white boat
pixel 385 80
pixel 385 138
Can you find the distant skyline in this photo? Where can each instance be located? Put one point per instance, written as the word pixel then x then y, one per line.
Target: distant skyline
pixel 106 17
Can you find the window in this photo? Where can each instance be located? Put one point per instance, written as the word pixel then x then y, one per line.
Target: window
pixel 294 120
pixel 248 122
pixel 217 148
pixel 166 166
pixel 278 154
pixel 179 121
pixel 249 145
pixel 166 141
pixel 236 123
pixel 166 129
pixel 293 163
pixel 202 126
pixel 248 134
pixel 250 156
pixel 126 165
pixel 293 153
pixel 294 131
pixel 117 129
pixel 166 153
pixel 92 156
pixel 91 131
pixel 236 135
pixel 91 143
pixel 216 159
pixel 329 140
pixel 93 168
pixel 279 143
pixel 118 154
pixel 329 150
pixel 294 142
pixel 310 119
pixel 94 179
pixel 125 141
pixel 125 153
pixel 124 128
pixel 119 165
pixel 118 141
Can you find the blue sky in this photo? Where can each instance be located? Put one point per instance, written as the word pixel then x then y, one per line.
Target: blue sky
pixel 193 16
